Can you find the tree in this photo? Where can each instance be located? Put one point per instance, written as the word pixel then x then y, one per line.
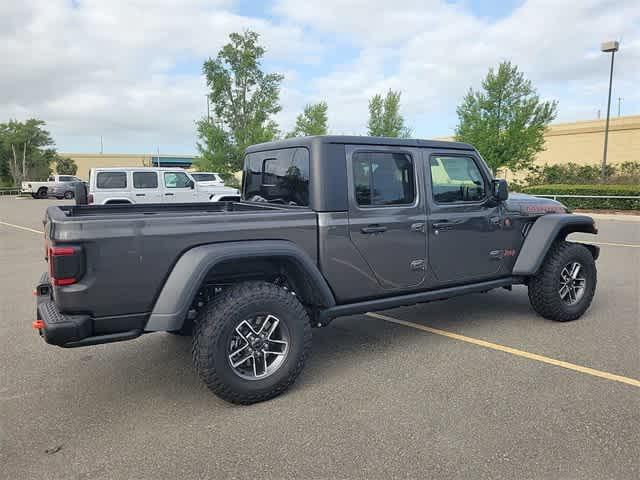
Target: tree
pixel 243 98
pixel 24 146
pixel 312 121
pixel 505 120
pixel 65 166
pixel 384 117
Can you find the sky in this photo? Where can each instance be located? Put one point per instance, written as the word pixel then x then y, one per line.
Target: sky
pixel 130 71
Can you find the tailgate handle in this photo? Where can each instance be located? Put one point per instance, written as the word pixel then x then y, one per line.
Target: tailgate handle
pixel 373 229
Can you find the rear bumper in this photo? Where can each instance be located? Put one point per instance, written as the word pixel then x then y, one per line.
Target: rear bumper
pixel 65 330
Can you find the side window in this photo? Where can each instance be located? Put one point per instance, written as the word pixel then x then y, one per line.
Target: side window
pixel 111 180
pixel 456 179
pixel 176 180
pixel 64 178
pixel 145 180
pixel 383 178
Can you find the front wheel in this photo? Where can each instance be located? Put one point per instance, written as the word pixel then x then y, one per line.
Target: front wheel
pixel 564 287
pixel 250 343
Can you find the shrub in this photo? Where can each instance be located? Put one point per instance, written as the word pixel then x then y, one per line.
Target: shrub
pixel 573 173
pixel 596 190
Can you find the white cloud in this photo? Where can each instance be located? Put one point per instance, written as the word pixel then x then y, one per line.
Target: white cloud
pixel 129 70
pixel 116 68
pixel 438 50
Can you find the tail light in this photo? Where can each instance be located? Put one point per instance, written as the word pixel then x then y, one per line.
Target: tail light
pixel 66 265
pixel 90 198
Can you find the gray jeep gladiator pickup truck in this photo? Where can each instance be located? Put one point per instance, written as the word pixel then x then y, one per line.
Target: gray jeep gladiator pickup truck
pixel 327 226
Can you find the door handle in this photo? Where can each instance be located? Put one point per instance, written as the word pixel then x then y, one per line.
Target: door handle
pixel 445 224
pixel 141 194
pixel 168 193
pixel 417 227
pixel 373 229
pixel 442 226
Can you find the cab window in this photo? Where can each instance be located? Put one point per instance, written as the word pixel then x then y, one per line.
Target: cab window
pixel 456 179
pixel 145 180
pixel 383 178
pixel 176 180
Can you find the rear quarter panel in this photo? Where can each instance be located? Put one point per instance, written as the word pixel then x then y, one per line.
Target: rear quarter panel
pixel 129 258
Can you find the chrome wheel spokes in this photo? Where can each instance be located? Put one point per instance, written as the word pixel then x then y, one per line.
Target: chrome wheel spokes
pixel 572 283
pixel 258 347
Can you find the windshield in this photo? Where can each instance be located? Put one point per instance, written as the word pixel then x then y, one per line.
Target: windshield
pixel 204 177
pixel 277 176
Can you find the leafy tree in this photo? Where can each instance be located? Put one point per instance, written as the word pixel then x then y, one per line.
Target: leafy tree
pixel 65 166
pixel 505 120
pixel 384 117
pixel 243 98
pixel 24 148
pixel 312 121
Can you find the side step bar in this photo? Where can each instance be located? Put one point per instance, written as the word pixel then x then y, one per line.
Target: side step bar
pixel 325 316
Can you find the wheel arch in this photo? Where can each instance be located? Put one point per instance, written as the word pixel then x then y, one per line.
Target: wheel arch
pixel 545 231
pixel 236 261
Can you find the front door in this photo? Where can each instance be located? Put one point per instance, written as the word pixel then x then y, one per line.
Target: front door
pixel 386 214
pixel 178 188
pixel 466 237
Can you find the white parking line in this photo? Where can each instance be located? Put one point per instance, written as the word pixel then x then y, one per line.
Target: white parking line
pixel 20 227
pixel 513 351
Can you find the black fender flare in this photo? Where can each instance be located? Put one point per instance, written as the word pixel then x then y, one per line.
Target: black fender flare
pixel 178 292
pixel 543 233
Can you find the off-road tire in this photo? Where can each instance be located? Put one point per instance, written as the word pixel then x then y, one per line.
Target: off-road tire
pixel 216 323
pixel 543 288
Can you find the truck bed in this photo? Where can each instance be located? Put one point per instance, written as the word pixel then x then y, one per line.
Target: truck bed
pixel 129 250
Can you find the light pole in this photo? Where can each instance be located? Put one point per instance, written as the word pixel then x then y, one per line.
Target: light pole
pixel 608 47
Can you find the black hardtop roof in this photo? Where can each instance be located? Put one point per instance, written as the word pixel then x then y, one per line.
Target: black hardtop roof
pixel 357 140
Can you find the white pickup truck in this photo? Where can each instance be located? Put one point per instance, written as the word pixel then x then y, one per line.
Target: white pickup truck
pixel 152 185
pixel 60 186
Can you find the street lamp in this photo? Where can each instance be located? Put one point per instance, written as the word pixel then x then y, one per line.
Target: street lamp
pixel 608 47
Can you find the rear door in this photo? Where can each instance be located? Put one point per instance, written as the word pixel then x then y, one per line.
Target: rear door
pixel 465 227
pixel 146 188
pixel 178 187
pixel 386 213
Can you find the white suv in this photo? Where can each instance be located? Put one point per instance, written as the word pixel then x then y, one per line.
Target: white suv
pixel 151 185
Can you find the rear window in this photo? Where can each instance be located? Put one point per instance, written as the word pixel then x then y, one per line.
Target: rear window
pixel 111 180
pixel 145 180
pixel 277 176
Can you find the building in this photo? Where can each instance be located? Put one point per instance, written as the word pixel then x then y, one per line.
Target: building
pixel 87 161
pixel 583 142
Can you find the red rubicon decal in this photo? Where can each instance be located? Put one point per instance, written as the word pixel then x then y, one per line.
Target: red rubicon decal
pixel 545 209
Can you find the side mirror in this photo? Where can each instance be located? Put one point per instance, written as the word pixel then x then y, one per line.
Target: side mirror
pixel 192 184
pixel 500 190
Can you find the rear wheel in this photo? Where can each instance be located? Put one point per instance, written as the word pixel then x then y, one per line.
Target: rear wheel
pixel 564 287
pixel 68 195
pixel 250 343
pixel 42 192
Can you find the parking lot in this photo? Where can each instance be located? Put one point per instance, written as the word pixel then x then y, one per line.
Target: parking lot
pixel 473 387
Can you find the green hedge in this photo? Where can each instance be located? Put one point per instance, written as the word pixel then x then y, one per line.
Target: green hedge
pixel 591 203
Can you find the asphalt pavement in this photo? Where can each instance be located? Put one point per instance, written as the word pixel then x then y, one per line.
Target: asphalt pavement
pixel 471 398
